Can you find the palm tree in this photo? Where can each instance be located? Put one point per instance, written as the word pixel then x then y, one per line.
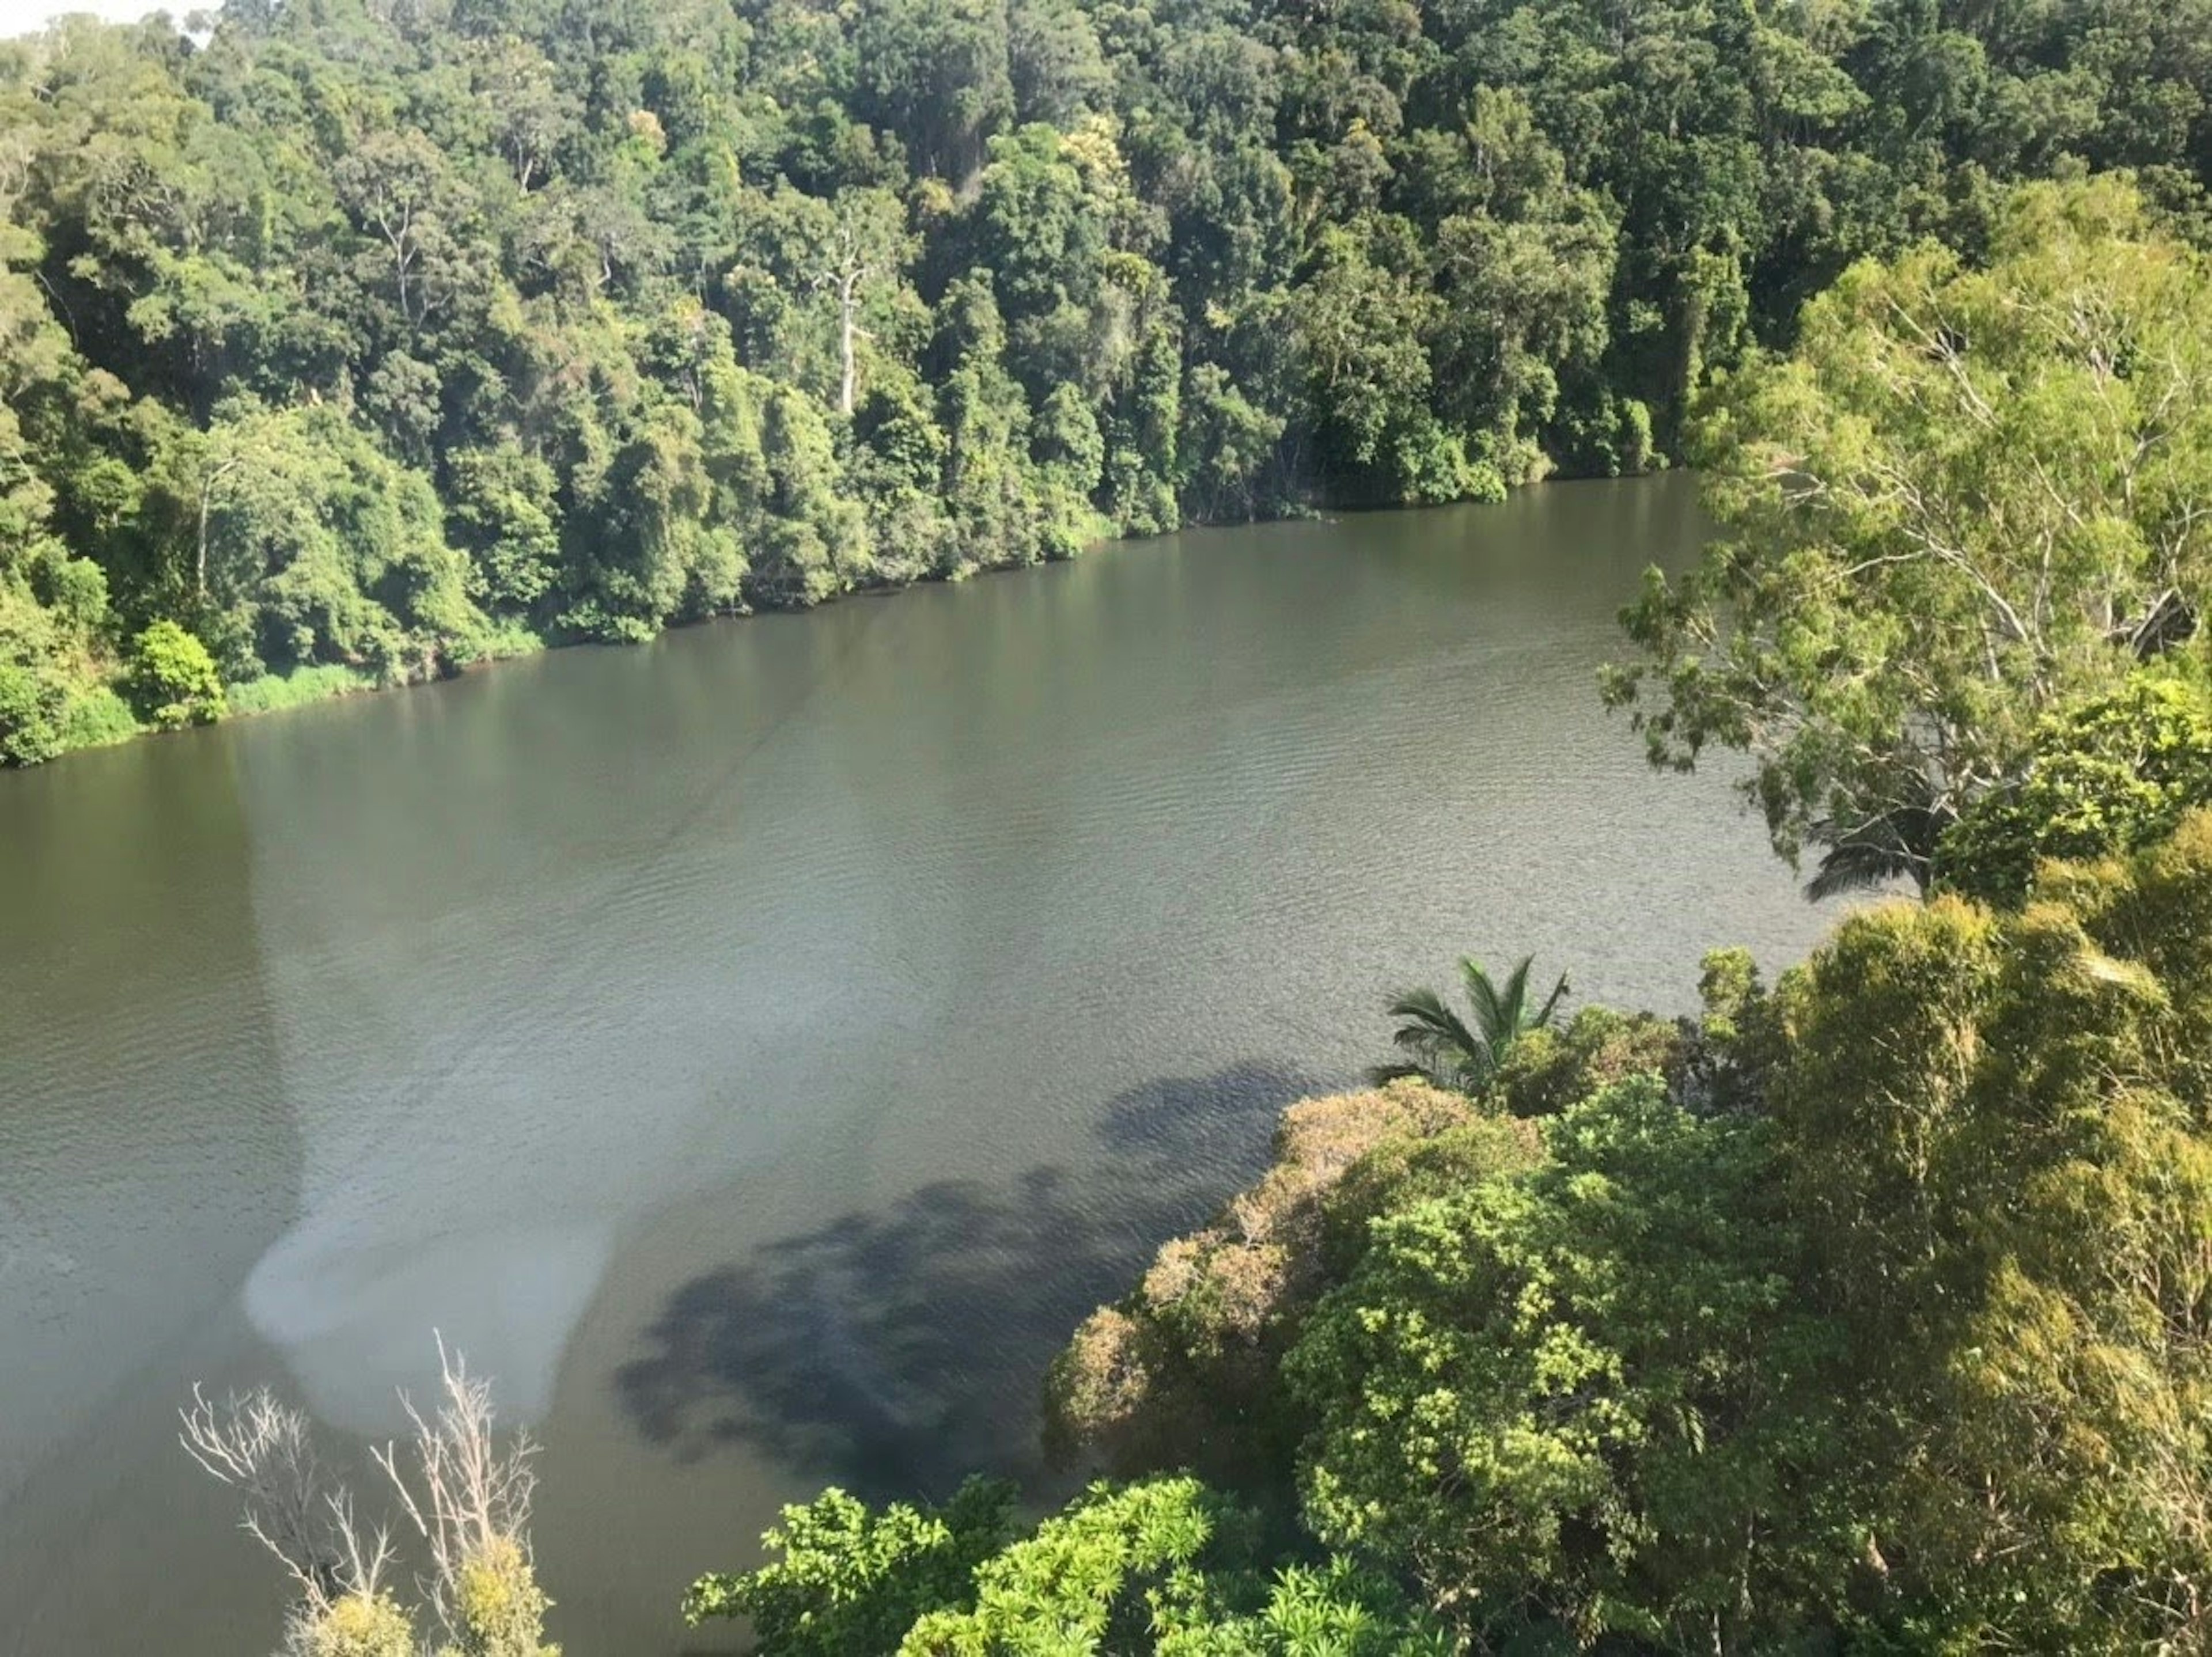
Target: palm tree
pixel 1446 1050
pixel 1899 844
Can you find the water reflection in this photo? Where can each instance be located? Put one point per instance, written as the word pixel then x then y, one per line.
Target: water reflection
pixel 520 1008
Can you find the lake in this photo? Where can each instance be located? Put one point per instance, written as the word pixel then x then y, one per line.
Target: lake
pixel 757 1049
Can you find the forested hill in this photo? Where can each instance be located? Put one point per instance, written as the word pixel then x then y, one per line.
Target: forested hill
pixel 346 342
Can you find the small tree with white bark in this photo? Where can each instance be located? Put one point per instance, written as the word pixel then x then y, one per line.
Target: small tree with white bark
pixel 467 1497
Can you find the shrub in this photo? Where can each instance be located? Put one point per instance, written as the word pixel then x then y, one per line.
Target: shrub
pixel 171 680
pixel 360 1624
pixel 96 719
pixel 273 692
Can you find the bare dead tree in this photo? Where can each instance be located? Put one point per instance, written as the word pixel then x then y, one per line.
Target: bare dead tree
pixel 264 1450
pixel 468 1499
pixel 846 267
pixel 467 1496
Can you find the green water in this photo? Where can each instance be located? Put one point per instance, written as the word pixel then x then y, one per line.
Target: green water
pixel 757 1049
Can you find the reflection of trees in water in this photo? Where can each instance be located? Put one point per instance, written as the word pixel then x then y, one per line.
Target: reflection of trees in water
pixel 893 1351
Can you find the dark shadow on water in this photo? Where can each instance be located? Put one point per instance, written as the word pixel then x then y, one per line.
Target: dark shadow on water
pixel 893 1351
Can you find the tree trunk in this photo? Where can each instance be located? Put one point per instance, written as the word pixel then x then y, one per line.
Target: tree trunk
pixel 207 506
pixel 849 287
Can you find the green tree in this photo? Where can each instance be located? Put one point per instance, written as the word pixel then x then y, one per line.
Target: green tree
pixel 172 679
pixel 1448 1052
pixel 1968 497
pixel 1543 1393
pixel 1995 1135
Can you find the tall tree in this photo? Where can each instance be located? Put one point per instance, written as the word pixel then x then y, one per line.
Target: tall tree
pixel 1967 496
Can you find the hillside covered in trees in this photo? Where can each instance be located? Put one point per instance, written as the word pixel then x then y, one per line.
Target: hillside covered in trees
pixel 349 342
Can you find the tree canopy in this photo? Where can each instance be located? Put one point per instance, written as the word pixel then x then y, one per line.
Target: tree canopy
pixel 1974 493
pixel 365 342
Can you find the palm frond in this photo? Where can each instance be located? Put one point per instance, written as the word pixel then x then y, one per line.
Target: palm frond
pixel 1896 844
pixel 1483 995
pixel 1863 861
pixel 1515 1007
pixel 1550 1003
pixel 1428 1023
pixel 1447 1050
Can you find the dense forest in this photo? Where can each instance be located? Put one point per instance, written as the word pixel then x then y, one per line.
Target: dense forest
pixel 349 341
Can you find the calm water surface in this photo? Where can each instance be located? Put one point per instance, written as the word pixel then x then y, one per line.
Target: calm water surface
pixel 757 1049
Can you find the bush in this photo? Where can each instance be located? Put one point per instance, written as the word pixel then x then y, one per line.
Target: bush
pixel 171 680
pixel 359 1624
pixel 97 718
pixel 273 692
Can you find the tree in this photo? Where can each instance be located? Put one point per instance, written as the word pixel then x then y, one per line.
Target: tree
pixel 865 245
pixel 1969 496
pixel 396 186
pixel 1543 1393
pixel 173 679
pixel 467 1498
pixel 1444 1050
pixel 1994 1133
pixel 2115 773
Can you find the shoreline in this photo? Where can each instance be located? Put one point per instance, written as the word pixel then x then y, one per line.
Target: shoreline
pixel 349 681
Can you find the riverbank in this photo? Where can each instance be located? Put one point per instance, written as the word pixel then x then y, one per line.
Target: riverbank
pixel 320 683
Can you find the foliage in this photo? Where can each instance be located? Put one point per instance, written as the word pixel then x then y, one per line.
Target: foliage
pixel 2110 774
pixel 1183 1372
pixel 497 1608
pixel 173 679
pixel 1086 1569
pixel 852 1581
pixel 1551 1067
pixel 340 337
pixel 1970 496
pixel 1446 1050
pixel 1164 1566
pixel 357 1625
pixel 302 685
pixel 96 717
pixel 2005 1192
pixel 1539 1393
